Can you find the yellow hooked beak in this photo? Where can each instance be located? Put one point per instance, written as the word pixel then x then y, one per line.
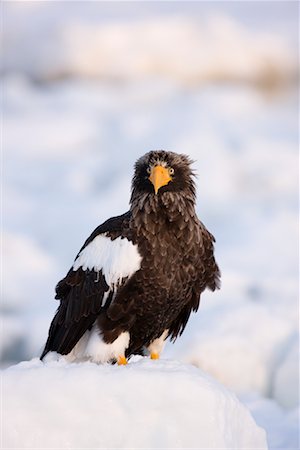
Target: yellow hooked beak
pixel 159 177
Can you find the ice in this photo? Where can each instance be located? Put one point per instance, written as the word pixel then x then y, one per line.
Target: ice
pixel 145 404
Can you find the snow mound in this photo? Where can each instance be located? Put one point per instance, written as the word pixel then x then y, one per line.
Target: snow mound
pixel 282 426
pixel 146 404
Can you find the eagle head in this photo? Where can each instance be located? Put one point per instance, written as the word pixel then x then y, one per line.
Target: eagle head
pixel 159 172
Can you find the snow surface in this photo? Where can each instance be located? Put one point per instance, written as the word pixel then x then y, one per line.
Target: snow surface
pixel 72 131
pixel 145 404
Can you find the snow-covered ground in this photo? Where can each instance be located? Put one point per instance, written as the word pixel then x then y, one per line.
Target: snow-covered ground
pixel 82 100
pixel 143 405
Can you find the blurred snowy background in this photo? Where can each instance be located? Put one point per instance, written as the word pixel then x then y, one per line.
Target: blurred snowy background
pixel 87 89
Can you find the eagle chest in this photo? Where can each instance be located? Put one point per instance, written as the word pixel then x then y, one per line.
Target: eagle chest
pixel 168 261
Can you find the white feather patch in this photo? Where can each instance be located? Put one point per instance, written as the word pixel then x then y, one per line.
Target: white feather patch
pixel 158 344
pixel 118 258
pixel 92 347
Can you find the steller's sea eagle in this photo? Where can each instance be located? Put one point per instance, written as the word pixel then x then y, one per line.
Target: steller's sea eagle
pixel 138 276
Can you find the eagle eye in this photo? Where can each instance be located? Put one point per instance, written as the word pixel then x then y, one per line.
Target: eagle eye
pixel 148 169
pixel 171 171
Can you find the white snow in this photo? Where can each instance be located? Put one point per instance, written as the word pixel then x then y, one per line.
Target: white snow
pixel 282 426
pixel 26 270
pixel 175 47
pixel 240 345
pixel 146 404
pixel 217 85
pixel 117 259
pixel 286 377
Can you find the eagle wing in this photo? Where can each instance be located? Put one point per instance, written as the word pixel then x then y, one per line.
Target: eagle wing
pixel 208 276
pixel 100 268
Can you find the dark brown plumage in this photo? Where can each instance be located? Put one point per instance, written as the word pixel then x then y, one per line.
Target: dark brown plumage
pixel 170 263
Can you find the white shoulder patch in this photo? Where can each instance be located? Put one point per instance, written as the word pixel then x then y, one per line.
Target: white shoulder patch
pixel 118 258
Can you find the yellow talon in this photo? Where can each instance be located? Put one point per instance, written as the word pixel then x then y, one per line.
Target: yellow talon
pixel 122 361
pixel 154 355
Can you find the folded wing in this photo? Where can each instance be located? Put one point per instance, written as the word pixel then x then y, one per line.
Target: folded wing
pixel 104 264
pixel 208 276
